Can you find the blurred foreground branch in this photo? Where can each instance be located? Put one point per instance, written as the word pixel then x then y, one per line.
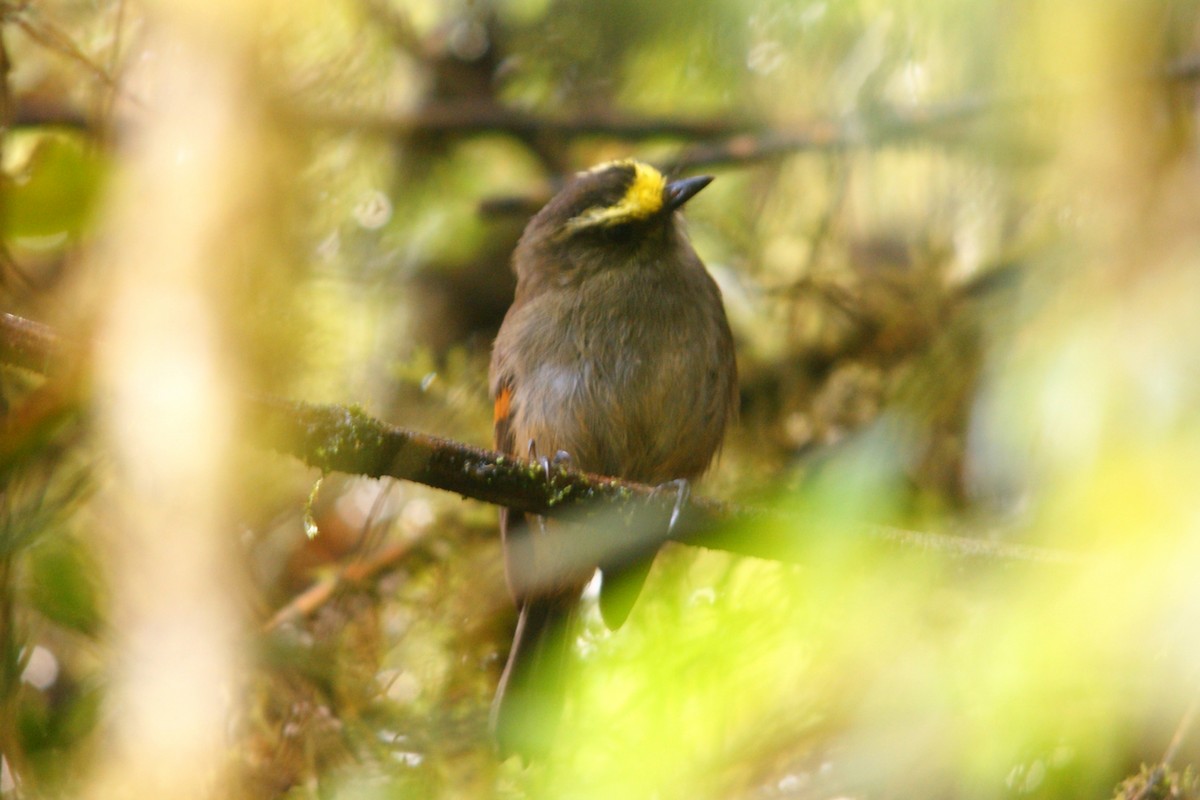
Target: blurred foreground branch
pixel 31 345
pixel 721 140
pixel 634 516
pixel 944 122
pixel 473 117
pixel 478 115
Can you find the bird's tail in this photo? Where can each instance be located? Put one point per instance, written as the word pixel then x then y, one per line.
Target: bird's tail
pixel 532 690
pixel 620 587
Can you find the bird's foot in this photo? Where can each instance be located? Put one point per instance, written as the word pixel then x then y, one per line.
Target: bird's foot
pixel 561 459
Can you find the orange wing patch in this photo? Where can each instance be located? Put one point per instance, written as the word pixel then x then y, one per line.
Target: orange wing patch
pixel 502 429
pixel 503 402
pixel 501 421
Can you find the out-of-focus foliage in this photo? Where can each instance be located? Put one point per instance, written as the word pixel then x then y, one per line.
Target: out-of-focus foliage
pixel 53 185
pixel 959 247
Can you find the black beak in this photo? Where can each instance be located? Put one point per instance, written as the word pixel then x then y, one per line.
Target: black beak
pixel 679 192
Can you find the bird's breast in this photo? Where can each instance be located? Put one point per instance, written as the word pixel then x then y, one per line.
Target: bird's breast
pixel 620 387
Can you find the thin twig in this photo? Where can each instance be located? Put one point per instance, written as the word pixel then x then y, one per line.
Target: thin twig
pixel 109 100
pixel 52 38
pixel 1181 731
pixel 361 569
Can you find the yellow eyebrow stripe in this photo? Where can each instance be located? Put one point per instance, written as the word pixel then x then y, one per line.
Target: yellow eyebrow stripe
pixel 643 198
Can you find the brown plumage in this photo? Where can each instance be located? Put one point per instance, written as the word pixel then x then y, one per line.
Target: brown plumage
pixel 617 351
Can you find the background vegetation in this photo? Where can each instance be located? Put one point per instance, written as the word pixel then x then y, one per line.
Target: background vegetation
pixel 959 243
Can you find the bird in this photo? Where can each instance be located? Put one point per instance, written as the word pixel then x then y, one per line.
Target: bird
pixel 616 353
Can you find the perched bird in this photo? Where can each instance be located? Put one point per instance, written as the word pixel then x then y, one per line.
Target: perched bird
pixel 616 351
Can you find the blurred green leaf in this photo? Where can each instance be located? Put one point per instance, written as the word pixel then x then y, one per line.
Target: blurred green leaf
pixel 62 583
pixel 52 189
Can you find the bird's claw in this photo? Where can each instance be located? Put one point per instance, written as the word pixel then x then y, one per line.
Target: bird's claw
pixel 683 490
pixel 541 461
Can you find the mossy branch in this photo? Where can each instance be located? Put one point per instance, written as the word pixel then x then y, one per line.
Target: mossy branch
pixel 635 517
